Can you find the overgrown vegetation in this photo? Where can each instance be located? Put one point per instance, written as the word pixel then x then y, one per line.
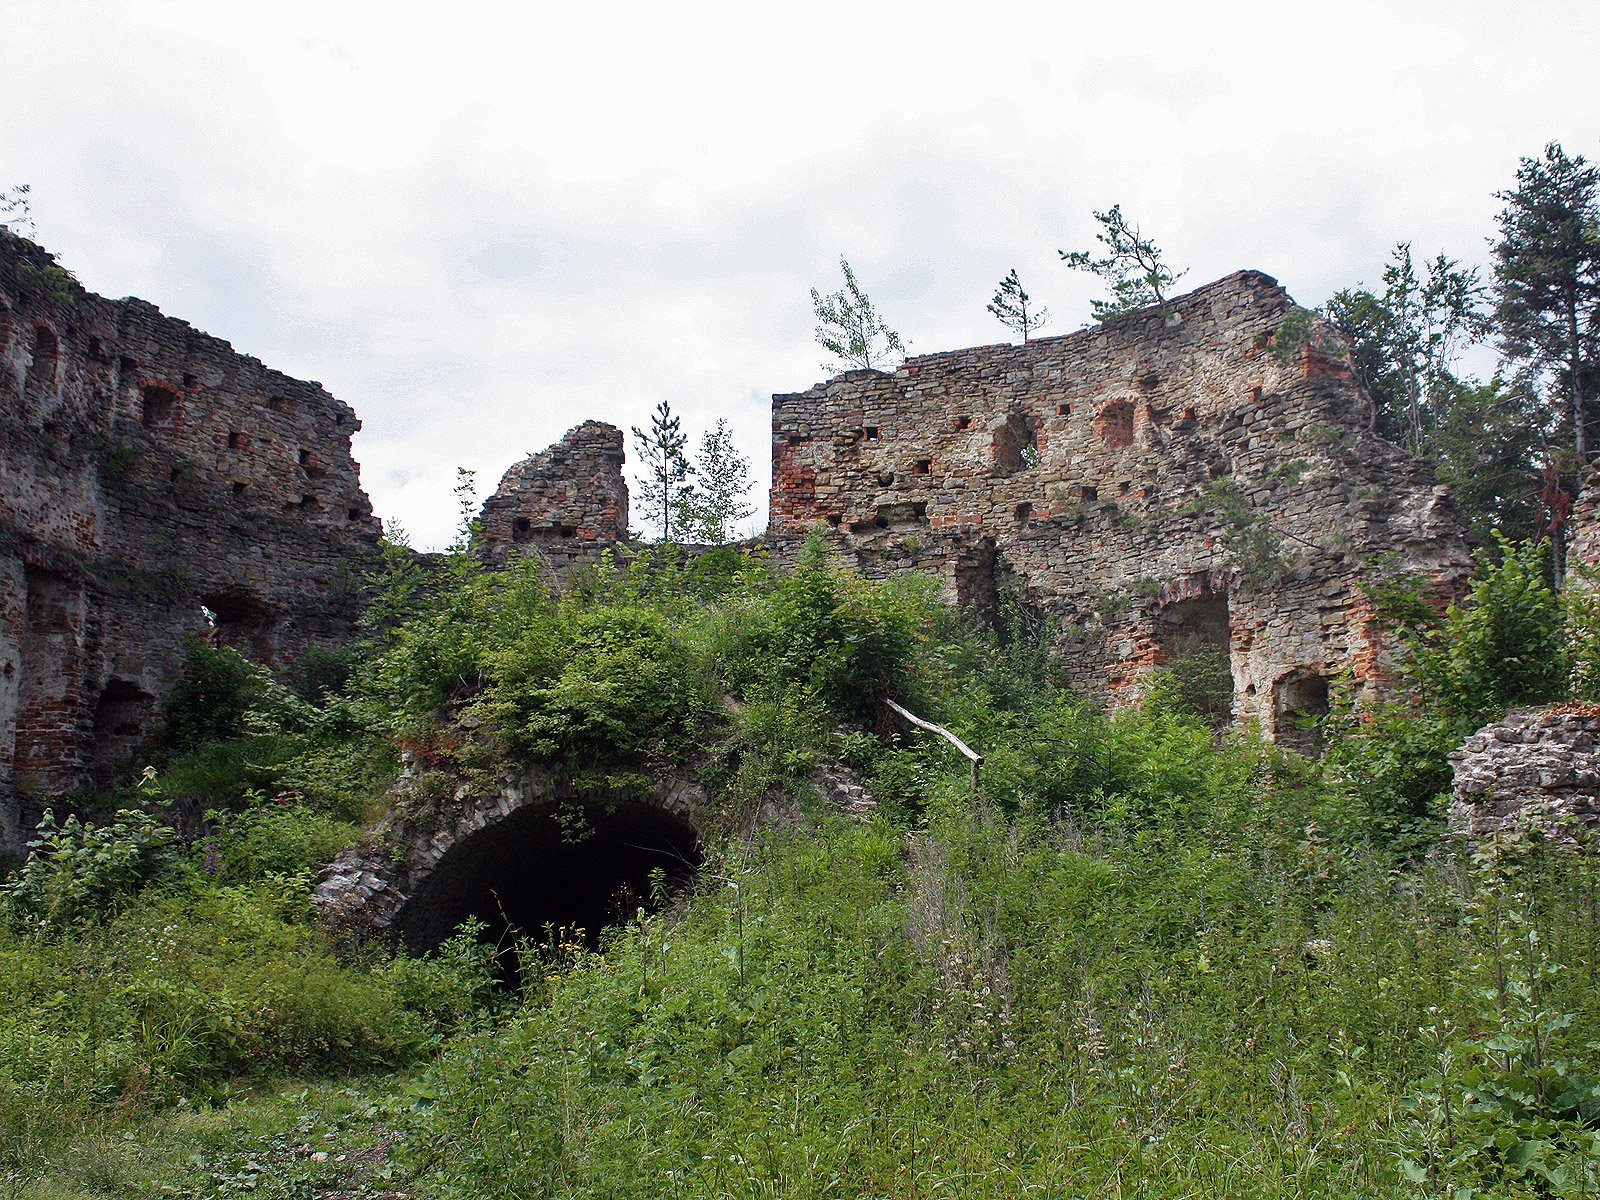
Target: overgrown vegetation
pixel 1150 955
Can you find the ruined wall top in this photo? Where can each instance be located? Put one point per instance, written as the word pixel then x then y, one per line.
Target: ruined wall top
pixel 1050 423
pixel 573 490
pixel 150 474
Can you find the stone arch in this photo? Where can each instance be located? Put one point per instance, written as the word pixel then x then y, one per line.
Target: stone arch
pixel 535 852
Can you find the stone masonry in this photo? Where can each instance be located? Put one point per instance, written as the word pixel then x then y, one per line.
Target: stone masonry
pixel 1537 765
pixel 154 484
pixel 1198 475
pixel 563 499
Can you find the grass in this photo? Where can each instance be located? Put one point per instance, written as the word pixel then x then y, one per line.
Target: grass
pixel 1150 958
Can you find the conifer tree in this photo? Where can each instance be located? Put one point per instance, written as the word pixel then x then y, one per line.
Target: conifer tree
pixel 666 471
pixel 1132 267
pixel 1010 305
pixel 1547 279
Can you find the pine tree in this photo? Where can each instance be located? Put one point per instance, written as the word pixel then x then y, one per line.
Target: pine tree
pixel 1547 279
pixel 1133 268
pixel 1010 305
pixel 666 470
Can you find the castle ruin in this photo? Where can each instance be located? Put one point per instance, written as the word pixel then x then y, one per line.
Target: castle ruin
pixel 1201 475
pixel 154 485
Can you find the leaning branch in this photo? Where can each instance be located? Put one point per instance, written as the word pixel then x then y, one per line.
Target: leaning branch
pixel 977 759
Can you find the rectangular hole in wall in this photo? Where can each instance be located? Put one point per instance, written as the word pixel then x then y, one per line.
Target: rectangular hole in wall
pixel 922 466
pixel 237 441
pixel 1089 494
pixel 963 422
pixel 1063 410
pixel 239 489
pixel 870 432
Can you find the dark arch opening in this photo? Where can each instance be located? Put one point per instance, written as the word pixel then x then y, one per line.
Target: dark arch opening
pixel 42 370
pixel 123 718
pixel 575 865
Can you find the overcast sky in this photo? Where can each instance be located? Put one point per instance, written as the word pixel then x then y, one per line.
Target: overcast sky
pixel 480 224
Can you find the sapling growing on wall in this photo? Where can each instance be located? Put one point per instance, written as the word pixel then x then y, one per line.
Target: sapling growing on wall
pixel 850 328
pixel 666 486
pixel 1132 267
pixel 1011 306
pixel 709 511
pixel 14 212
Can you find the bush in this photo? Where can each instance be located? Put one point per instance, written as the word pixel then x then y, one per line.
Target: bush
pixel 76 872
pixel 209 703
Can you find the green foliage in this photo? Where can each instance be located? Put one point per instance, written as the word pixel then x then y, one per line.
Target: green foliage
pixel 848 643
pixel 1201 682
pixel 625 688
pixel 716 503
pixel 850 328
pixel 75 871
pixel 665 489
pixel 1503 645
pixel 1010 307
pixel 209 703
pixel 1390 770
pixel 285 837
pixel 1406 341
pixel 1132 267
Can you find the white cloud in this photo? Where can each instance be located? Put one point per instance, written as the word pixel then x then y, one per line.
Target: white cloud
pixel 482 225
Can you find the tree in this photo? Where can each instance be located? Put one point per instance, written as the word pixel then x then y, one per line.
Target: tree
pixel 14 212
pixel 851 329
pixel 667 471
pixel 1010 305
pixel 1490 455
pixel 1407 340
pixel 709 512
pixel 1133 268
pixel 1547 279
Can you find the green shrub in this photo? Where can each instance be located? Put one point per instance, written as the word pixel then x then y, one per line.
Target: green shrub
pixel 209 703
pixel 74 871
pixel 283 837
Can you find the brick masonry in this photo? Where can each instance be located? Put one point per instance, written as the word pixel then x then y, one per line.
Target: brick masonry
pixel 149 472
pixel 1166 479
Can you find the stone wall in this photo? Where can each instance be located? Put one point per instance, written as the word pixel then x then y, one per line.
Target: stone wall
pixel 148 472
pixel 568 495
pixel 1537 767
pixel 1166 480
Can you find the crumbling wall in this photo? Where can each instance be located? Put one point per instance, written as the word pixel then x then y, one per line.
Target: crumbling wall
pixel 147 473
pixel 1200 473
pixel 564 501
pixel 1537 769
